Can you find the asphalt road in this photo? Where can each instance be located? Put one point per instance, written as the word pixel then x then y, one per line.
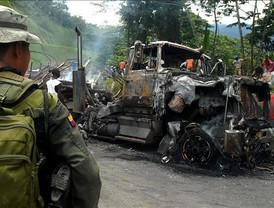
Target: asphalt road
pixel 134 177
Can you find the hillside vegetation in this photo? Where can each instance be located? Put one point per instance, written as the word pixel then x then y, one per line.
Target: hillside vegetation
pixel 59 43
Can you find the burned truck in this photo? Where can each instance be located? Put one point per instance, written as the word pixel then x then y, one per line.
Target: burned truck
pixel 187 112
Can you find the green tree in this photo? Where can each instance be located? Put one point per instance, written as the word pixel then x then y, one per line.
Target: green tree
pixel 264 29
pixel 156 20
pixel 213 6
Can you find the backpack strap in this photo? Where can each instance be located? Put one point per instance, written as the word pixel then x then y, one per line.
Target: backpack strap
pixel 46 111
pixel 39 112
pixel 6 111
pixel 13 86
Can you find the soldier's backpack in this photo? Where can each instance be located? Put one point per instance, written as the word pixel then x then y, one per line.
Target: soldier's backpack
pixel 19 186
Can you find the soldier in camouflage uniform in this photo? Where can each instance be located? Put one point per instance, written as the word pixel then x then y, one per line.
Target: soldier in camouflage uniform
pixel 58 136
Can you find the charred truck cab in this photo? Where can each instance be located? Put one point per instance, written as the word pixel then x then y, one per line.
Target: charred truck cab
pixel 186 110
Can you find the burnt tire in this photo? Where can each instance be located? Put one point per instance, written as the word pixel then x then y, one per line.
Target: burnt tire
pixel 195 145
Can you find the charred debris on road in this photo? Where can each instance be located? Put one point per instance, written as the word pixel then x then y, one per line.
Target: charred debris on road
pixel 193 115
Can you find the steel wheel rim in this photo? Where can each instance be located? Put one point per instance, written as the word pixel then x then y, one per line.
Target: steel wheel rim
pixel 196 149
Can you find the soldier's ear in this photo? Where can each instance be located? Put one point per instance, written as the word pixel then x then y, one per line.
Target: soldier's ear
pixel 18 50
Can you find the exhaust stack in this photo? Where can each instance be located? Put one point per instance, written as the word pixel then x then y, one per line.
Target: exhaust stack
pixel 79 79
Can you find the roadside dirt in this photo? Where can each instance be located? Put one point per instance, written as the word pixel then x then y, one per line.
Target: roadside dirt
pixel 133 177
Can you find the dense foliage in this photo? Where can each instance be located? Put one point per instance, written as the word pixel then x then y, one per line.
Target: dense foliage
pixel 148 21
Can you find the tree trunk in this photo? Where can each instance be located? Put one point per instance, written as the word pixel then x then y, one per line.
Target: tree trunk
pixel 240 31
pixel 252 39
pixel 215 33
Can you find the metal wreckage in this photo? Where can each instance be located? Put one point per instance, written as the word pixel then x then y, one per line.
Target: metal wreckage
pixel 193 115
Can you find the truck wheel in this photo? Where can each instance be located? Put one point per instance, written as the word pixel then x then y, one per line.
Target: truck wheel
pixel 196 146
